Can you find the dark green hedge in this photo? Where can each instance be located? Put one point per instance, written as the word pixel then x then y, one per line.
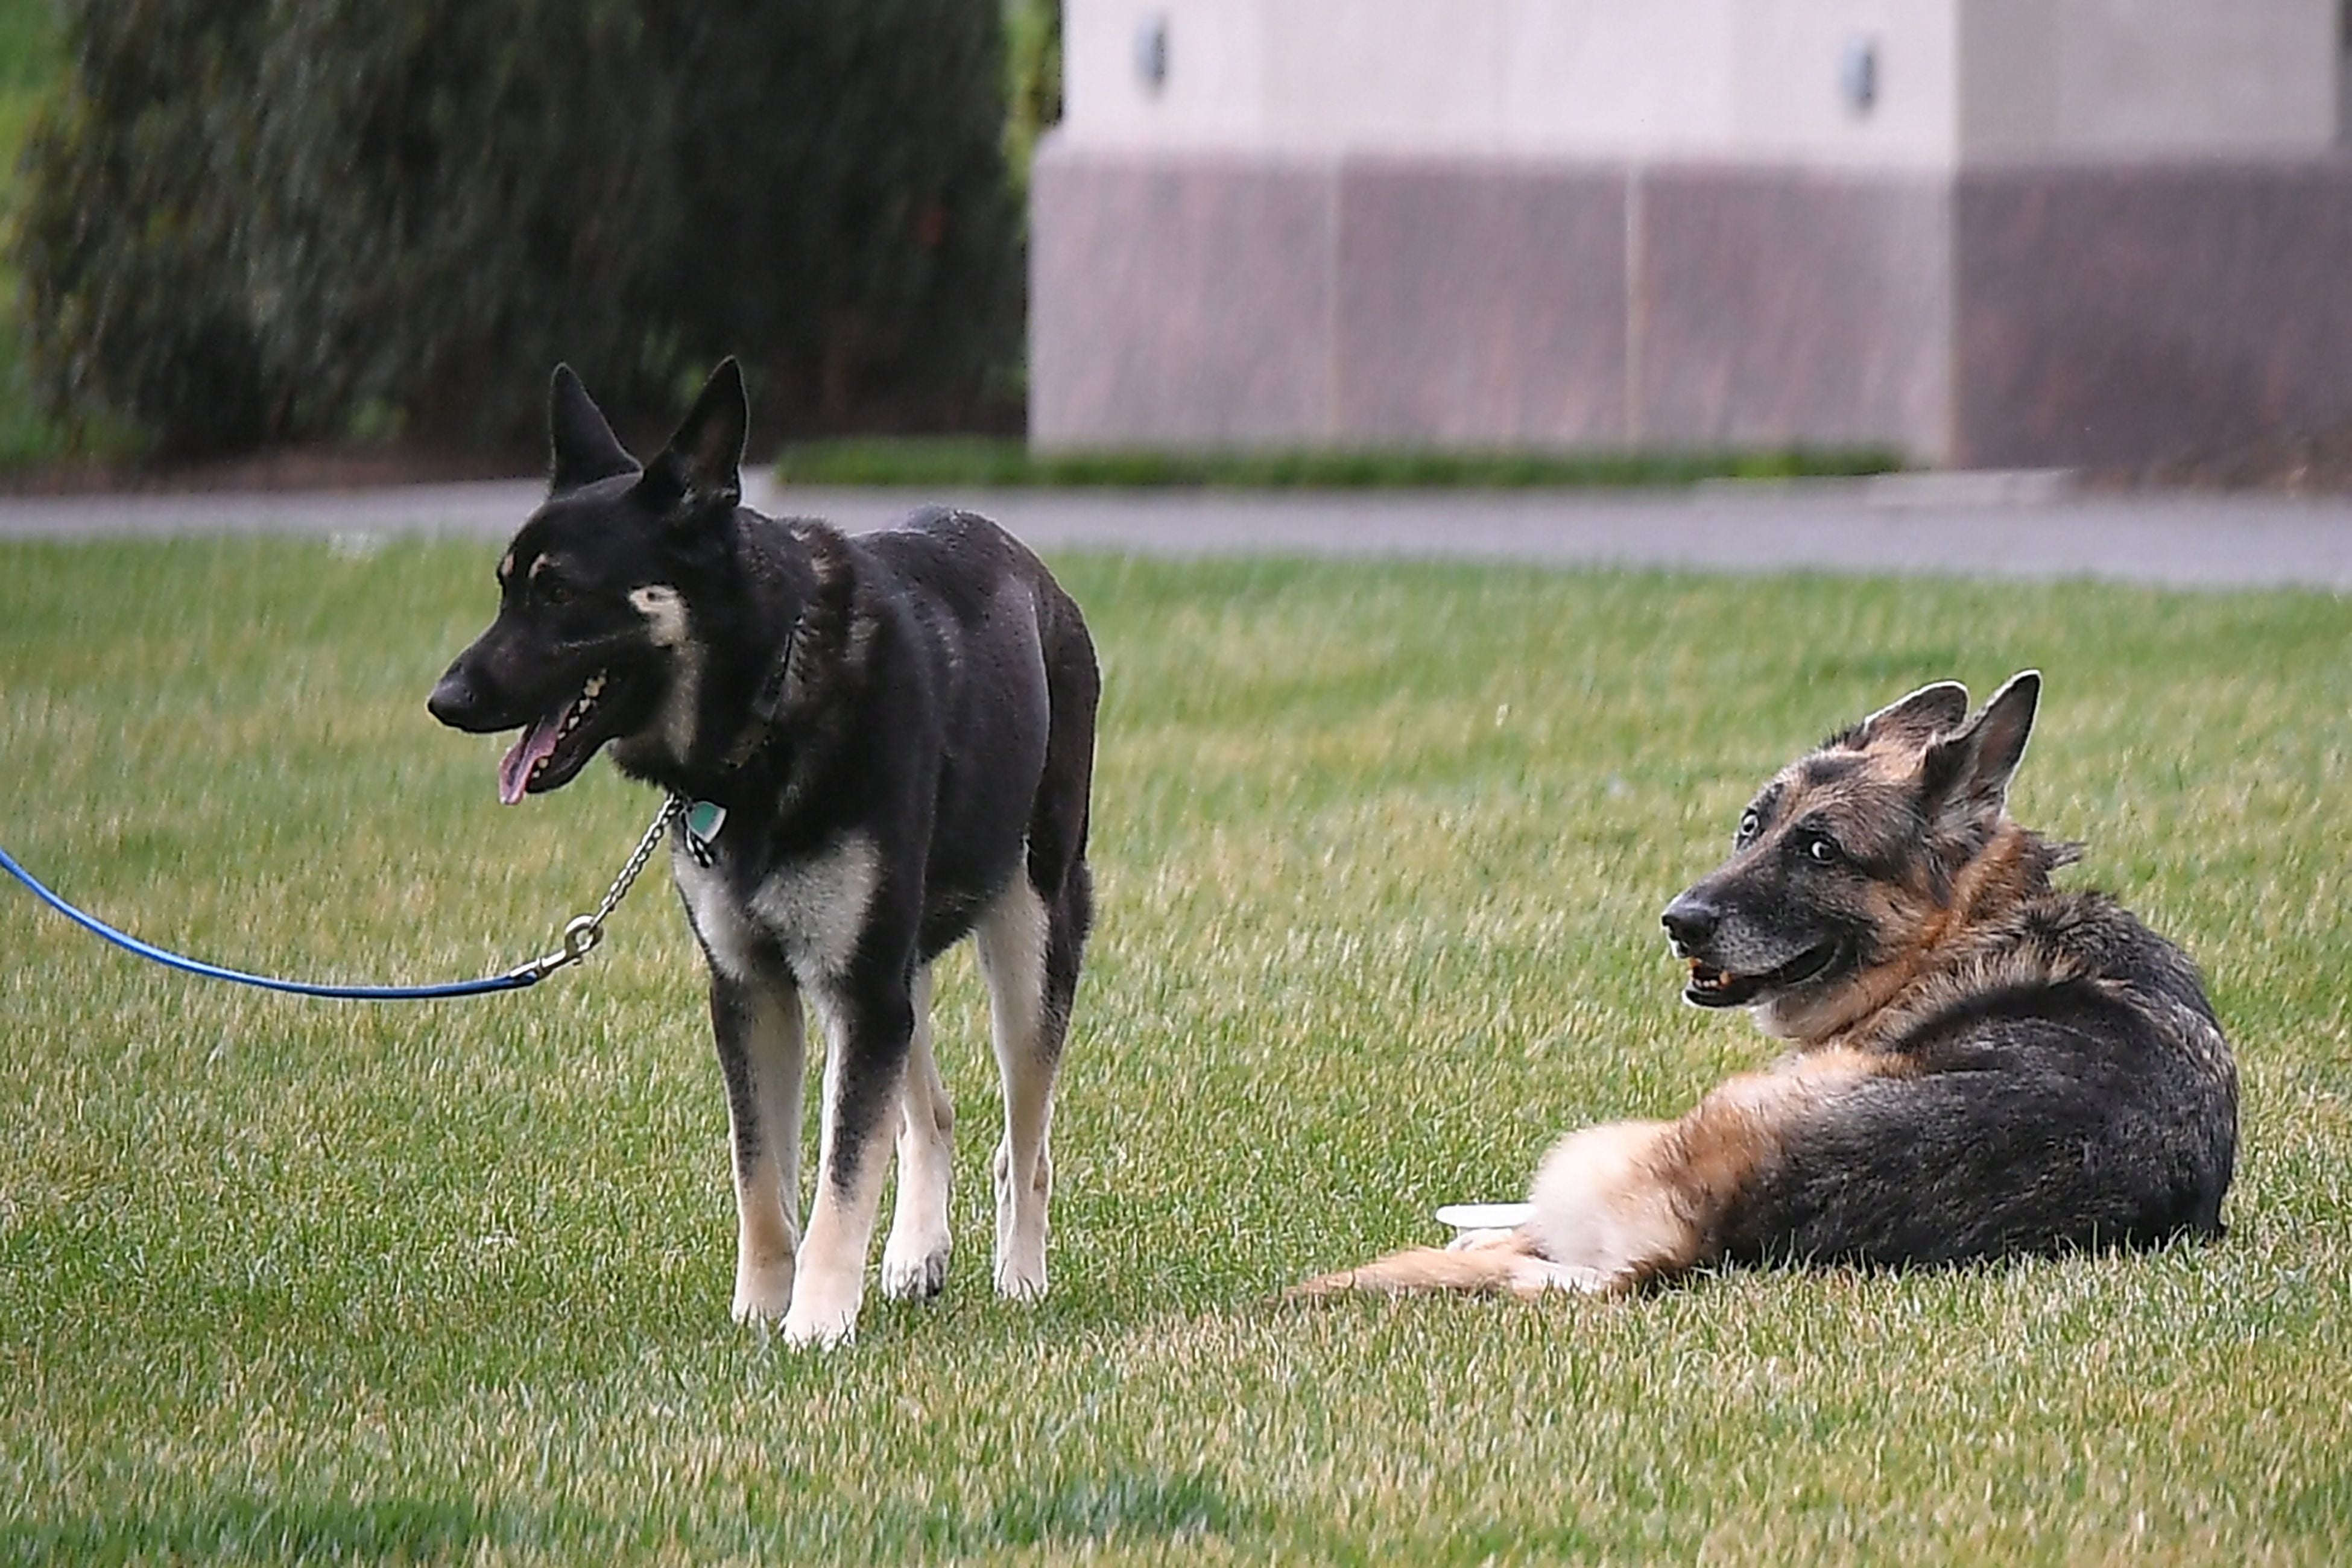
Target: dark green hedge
pixel 252 220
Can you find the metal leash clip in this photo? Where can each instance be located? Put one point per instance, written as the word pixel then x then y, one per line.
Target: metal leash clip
pixel 581 935
pixel 582 932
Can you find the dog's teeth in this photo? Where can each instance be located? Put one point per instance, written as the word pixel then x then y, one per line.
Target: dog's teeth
pixel 1705 978
pixel 581 706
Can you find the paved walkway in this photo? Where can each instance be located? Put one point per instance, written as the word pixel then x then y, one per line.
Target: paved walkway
pixel 1992 525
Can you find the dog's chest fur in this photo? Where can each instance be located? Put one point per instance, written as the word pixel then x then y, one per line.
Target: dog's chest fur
pixel 809 911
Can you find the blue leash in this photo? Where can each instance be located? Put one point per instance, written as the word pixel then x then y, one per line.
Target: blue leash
pixel 580 936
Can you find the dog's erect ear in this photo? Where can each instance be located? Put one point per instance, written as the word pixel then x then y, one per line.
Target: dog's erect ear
pixel 1930 711
pixel 581 448
pixel 1965 775
pixel 702 466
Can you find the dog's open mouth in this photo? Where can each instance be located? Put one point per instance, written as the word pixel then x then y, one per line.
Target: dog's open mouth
pixel 1713 987
pixel 554 747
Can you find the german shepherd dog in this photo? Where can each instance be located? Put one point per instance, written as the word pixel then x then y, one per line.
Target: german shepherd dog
pixel 889 743
pixel 1983 1066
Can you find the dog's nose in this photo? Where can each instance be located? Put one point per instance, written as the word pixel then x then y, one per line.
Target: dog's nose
pixel 453 700
pixel 1689 922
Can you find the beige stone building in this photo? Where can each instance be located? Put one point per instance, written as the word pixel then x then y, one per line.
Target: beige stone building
pixel 1984 232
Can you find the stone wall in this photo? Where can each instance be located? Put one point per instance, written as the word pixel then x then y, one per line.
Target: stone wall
pixel 2056 231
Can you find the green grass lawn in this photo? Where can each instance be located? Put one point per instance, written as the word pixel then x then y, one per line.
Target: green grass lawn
pixel 1380 850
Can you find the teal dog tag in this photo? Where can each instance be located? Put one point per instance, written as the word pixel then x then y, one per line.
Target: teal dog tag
pixel 704 818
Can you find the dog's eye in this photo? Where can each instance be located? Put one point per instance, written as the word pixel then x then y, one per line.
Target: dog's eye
pixel 1822 850
pixel 554 589
pixel 1750 824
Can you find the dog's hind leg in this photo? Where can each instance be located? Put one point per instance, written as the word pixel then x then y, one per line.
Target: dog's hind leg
pixel 1028 1015
pixel 915 1258
pixel 1610 1210
pixel 1616 1202
pixel 760 1052
pixel 1506 1265
pixel 1032 940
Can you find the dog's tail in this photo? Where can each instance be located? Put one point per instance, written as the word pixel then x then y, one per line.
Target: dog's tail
pixel 1506 1265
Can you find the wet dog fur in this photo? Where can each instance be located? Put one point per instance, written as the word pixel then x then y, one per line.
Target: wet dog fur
pixel 1981 1065
pixel 899 729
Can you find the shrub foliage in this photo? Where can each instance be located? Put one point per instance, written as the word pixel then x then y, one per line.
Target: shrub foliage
pixel 252 220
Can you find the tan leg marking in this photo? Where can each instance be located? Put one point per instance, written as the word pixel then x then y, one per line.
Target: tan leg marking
pixel 767 1196
pixel 831 1285
pixel 1011 942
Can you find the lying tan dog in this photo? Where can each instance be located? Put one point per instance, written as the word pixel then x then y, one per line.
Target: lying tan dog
pixel 1983 1065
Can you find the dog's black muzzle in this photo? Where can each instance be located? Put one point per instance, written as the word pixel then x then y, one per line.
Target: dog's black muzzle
pixel 499 684
pixel 459 701
pixel 1734 974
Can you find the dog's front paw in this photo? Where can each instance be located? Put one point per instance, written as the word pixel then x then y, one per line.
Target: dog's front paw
pixel 915 1270
pixel 1021 1229
pixel 820 1317
pixel 762 1295
pixel 818 1331
pixel 1020 1279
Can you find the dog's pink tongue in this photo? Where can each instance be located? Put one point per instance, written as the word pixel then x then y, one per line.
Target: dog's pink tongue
pixel 514 768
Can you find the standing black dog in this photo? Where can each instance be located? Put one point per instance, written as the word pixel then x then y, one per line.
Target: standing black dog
pixel 889 743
